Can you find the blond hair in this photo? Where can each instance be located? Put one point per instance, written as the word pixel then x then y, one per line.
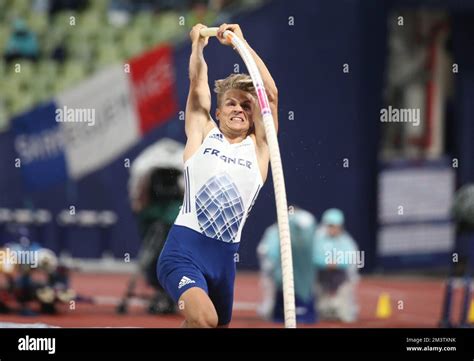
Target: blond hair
pixel 233 81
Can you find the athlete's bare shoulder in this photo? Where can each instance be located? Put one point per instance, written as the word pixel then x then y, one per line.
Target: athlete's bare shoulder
pixel 193 144
pixel 209 127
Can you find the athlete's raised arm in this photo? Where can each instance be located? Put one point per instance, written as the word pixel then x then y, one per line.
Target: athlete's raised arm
pixel 198 105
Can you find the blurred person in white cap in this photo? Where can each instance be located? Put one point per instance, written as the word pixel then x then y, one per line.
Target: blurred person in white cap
pixel 302 231
pixel 337 260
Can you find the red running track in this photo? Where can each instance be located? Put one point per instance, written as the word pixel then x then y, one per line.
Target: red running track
pixel 422 299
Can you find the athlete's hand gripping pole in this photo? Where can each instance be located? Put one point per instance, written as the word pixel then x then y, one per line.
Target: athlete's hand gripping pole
pixel 277 173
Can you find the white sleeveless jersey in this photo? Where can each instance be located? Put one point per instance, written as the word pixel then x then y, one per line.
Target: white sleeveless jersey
pixel 222 181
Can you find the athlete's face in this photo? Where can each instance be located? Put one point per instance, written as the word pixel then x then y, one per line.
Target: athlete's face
pixel 235 112
pixel 334 230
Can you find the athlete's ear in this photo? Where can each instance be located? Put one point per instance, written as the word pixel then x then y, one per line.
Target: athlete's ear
pixel 218 112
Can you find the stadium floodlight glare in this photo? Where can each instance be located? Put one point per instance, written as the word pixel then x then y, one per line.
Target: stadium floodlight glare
pixel 277 173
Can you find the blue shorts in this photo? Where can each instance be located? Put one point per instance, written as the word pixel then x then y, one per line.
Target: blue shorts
pixel 191 259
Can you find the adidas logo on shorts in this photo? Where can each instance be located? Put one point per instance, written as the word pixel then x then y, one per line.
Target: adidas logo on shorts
pixel 185 281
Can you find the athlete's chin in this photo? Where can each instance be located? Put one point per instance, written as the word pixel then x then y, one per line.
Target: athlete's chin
pixel 238 127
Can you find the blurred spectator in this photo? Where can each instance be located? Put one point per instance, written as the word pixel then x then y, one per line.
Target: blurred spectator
pixel 119 12
pixel 22 43
pixel 59 52
pixel 164 5
pixel 144 5
pixel 302 230
pixel 337 259
pixel 60 5
pixel 40 6
pixel 200 13
pixel 224 5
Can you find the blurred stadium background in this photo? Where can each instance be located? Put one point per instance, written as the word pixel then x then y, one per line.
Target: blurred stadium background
pixel 336 64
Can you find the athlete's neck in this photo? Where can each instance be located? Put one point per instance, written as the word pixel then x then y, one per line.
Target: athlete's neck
pixel 234 138
pixel 237 139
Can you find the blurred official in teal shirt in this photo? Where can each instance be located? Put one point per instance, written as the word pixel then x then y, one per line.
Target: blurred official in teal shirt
pixel 337 261
pixel 302 230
